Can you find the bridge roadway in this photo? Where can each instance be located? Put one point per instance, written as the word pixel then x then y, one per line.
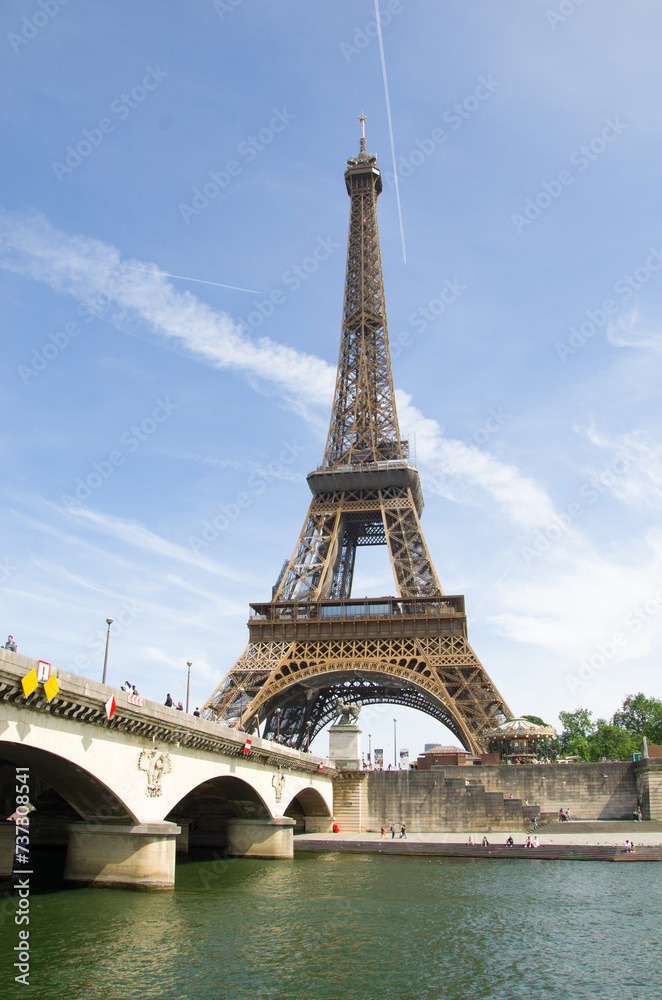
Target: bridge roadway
pixel 136 781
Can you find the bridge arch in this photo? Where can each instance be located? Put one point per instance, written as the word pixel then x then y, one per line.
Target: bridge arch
pixel 91 797
pixel 308 688
pixel 209 805
pixel 309 810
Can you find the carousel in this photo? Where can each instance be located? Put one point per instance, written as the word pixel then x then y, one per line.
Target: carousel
pixel 519 741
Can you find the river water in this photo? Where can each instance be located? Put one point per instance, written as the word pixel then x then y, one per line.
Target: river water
pixel 350 927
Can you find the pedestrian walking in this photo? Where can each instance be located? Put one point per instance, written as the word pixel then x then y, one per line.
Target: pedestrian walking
pixel 383 833
pixel 392 829
pixel 403 831
pixel 10 644
pixel 168 701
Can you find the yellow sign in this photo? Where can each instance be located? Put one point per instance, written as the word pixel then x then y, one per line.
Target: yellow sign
pixel 29 683
pixel 51 687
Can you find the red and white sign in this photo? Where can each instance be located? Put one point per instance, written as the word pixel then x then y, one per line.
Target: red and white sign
pixel 247 746
pixel 320 766
pixel 110 706
pixel 135 699
pixel 43 671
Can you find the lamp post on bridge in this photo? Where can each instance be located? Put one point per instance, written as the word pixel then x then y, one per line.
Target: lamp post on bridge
pixel 369 749
pixel 308 725
pixel 278 711
pixel 395 744
pixel 109 622
pixel 189 664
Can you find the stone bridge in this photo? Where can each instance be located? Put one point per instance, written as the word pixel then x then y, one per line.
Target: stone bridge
pixel 124 793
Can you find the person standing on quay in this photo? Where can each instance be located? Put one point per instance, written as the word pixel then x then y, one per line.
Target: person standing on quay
pixel 383 832
pixel 392 829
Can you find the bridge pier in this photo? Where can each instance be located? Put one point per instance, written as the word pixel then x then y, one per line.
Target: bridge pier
pixel 260 838
pixel 112 854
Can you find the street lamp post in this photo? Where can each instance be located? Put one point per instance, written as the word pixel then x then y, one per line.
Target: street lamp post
pixel 369 749
pixel 109 622
pixel 278 711
pixel 242 692
pixel 308 725
pixel 189 664
pixel 395 744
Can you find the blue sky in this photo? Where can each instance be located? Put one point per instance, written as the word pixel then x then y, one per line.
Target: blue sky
pixel 146 141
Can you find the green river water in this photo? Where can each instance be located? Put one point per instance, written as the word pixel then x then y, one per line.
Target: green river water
pixel 349 927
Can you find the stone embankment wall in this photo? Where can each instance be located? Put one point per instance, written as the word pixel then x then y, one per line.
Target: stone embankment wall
pixel 589 791
pixel 428 802
pixel 464 798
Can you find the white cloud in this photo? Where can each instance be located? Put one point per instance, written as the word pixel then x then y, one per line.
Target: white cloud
pixel 91 270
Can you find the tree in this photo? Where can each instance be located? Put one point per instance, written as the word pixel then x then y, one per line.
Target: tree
pixel 535 719
pixel 641 716
pixel 576 725
pixel 612 742
pixel 577 746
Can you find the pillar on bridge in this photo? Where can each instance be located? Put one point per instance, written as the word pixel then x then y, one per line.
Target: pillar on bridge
pixel 7 839
pixel 113 854
pixel 260 838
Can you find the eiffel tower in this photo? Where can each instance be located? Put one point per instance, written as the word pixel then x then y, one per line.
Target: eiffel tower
pixel 312 643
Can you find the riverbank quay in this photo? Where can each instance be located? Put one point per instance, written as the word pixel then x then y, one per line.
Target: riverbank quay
pixel 586 842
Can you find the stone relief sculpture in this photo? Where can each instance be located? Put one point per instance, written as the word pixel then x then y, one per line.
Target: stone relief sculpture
pixel 278 781
pixel 346 713
pixel 156 763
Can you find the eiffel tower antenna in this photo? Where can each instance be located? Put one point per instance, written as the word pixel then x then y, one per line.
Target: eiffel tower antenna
pixel 312 643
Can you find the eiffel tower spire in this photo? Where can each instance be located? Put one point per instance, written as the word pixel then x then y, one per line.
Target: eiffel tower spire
pixel 312 643
pixel 364 421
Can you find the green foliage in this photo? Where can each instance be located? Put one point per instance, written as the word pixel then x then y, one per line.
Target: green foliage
pixel 577 746
pixel 641 716
pixel 616 739
pixel 612 742
pixel 576 726
pixel 535 719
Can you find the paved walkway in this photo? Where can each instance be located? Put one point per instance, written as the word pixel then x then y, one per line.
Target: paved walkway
pixel 586 841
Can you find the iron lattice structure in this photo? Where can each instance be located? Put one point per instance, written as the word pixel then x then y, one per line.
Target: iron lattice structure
pixel 311 643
